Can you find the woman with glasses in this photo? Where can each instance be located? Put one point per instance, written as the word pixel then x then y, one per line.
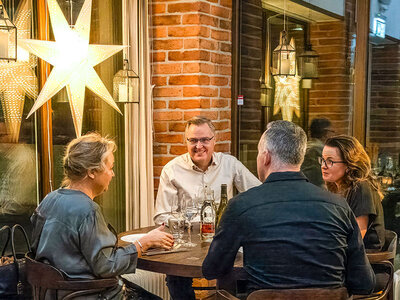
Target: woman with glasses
pixel 70 231
pixel 346 169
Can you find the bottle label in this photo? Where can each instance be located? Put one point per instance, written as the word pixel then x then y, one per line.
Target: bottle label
pixel 207 228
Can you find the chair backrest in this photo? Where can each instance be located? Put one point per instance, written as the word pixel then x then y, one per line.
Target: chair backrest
pixel 300 294
pixel 388 251
pixel 45 277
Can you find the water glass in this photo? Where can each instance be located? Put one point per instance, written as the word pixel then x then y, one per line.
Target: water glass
pixel 176 228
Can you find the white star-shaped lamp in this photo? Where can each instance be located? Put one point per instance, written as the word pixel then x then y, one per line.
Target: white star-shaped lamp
pixel 17 78
pixel 73 60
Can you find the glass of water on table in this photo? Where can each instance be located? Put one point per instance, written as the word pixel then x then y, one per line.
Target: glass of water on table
pixel 190 210
pixel 176 222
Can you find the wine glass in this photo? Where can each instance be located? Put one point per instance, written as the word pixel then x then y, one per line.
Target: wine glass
pixel 190 210
pixel 177 222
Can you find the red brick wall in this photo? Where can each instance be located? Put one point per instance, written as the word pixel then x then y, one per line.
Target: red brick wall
pixel 385 99
pixel 331 95
pixel 191 71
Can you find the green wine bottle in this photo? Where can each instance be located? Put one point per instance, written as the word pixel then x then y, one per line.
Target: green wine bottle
pixel 222 204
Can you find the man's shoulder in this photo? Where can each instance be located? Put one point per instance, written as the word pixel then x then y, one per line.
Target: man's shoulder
pixel 181 160
pixel 225 157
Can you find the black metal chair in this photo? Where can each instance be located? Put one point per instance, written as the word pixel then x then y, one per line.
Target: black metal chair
pixel 44 277
pixel 386 270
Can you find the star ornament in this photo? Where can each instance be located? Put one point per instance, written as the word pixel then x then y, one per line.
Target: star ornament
pixel 17 78
pixel 73 60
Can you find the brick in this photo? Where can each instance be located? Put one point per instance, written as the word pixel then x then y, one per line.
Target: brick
pixel 158 8
pixel 157 171
pixel 159 31
pixel 199 67
pixel 189 80
pixel 167 92
pixel 166 20
pixel 162 160
pixel 199 91
pixel 221 58
pixel 226 3
pixel 225 47
pixel 219 81
pixel 224 24
pixel 160 149
pixel 170 44
pixel 221 12
pixel 159 104
pixel 200 19
pixel 224 70
pixel 160 126
pixel 212 115
pixel 225 114
pixel 159 80
pixel 189 55
pixel 188 31
pixel 158 56
pixel 205 103
pixel 204 44
pixel 184 104
pixel 220 35
pixel 222 125
pixel 333 41
pixel 167 68
pixel 225 92
pixel 167 115
pixel 189 7
pixel 218 103
pixel 177 150
pixel 176 126
pixel 223 147
pixel 168 138
pixel 223 136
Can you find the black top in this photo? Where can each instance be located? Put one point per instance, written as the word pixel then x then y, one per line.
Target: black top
pixel 294 235
pixel 365 200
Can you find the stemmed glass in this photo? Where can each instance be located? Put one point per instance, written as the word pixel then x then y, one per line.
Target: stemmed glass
pixel 190 210
pixel 177 222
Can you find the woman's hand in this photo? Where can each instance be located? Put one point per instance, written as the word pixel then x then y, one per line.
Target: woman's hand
pixel 157 238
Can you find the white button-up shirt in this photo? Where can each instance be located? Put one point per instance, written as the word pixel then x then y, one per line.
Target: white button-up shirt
pixel 181 177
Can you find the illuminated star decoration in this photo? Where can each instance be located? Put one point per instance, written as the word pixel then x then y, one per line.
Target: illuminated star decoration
pixel 17 78
pixel 73 60
pixel 287 97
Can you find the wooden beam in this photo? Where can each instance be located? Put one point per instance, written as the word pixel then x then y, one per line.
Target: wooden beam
pixel 45 112
pixel 361 70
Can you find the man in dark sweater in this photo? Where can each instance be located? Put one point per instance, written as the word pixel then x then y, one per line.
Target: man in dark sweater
pixel 294 234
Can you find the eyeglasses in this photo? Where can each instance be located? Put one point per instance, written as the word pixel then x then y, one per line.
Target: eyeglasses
pixel 328 163
pixel 203 141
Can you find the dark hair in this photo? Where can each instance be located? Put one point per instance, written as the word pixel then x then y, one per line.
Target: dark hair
pixel 318 128
pixel 357 161
pixel 86 153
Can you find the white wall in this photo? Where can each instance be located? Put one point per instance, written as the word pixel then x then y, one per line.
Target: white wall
pixel 392 17
pixel 335 6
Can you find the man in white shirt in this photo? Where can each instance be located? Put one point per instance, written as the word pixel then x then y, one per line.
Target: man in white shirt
pixel 186 175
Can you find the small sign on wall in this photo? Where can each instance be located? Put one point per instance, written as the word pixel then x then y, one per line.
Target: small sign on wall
pixel 240 100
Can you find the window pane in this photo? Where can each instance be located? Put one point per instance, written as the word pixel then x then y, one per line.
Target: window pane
pixel 106 29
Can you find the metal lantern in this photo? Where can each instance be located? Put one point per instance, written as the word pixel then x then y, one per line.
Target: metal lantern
pixel 284 58
pixel 126 85
pixel 8 37
pixel 308 63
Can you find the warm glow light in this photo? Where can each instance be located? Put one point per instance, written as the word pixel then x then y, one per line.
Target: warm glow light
pixel 287 99
pixel 17 78
pixel 73 60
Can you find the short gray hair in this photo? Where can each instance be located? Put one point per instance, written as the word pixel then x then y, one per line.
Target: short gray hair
pixel 285 141
pixel 199 120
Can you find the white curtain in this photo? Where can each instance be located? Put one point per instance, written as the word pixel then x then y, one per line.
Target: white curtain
pixel 138 119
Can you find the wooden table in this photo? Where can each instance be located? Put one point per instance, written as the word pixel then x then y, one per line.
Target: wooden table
pixel 186 264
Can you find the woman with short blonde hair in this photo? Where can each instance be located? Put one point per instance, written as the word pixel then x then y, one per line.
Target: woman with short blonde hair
pixel 70 231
